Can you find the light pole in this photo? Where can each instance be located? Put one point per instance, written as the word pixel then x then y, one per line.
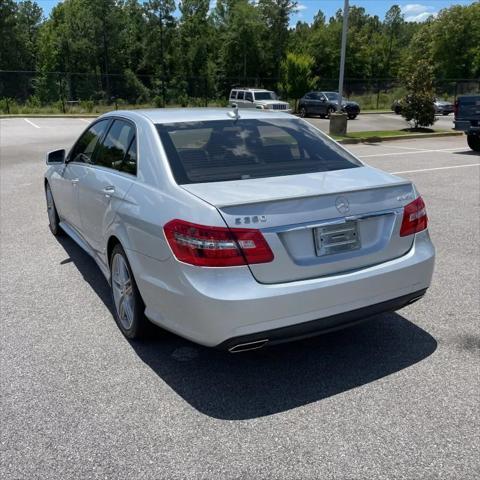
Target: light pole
pixel 338 120
pixel 342 53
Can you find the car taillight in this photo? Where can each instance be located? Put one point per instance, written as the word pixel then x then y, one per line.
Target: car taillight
pixel 414 218
pixel 216 246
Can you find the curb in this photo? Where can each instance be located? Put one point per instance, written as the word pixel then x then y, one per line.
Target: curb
pixel 347 141
pixel 376 112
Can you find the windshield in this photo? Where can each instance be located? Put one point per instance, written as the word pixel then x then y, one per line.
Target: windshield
pixel 265 96
pixel 222 150
pixel 332 95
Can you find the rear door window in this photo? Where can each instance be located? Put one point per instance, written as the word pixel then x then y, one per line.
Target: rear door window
pixel 240 95
pixel 233 94
pixel 85 146
pixel 112 153
pixel 223 150
pixel 129 164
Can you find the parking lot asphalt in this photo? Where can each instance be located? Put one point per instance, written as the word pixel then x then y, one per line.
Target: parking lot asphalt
pixel 394 398
pixel 381 121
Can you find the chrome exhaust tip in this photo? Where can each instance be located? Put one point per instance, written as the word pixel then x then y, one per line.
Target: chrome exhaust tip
pixel 245 347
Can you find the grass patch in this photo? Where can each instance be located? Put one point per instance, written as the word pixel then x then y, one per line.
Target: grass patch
pixel 88 107
pixel 387 133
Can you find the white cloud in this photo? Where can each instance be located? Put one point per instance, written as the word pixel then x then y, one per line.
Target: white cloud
pixel 297 15
pixel 415 12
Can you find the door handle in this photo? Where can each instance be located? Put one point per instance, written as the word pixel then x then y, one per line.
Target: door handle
pixel 109 190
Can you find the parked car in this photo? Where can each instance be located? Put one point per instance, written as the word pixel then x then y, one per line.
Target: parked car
pixel 237 230
pixel 257 98
pixel 325 103
pixel 442 107
pixel 467 119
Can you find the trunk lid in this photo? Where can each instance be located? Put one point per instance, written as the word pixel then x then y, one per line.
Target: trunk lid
pixel 317 224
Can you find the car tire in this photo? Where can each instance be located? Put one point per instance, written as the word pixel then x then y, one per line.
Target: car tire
pixel 474 142
pixel 397 110
pixel 352 116
pixel 330 110
pixel 445 113
pixel 322 116
pixel 53 219
pixel 303 112
pixel 128 304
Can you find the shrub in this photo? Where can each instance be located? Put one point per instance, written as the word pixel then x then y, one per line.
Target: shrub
pixel 87 105
pixel 6 105
pixel 58 106
pixel 197 102
pixel 183 100
pixel 158 101
pixel 297 78
pixel 418 104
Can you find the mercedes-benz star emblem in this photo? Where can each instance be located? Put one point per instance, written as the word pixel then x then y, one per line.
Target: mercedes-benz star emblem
pixel 342 205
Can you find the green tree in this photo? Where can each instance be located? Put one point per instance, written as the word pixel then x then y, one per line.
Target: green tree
pixel 241 51
pixel 276 17
pixel 455 42
pixel 418 104
pixel 19 26
pixel 392 27
pixel 160 45
pixel 196 59
pixel 296 76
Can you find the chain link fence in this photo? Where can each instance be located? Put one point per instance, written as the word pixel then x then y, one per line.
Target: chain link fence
pixel 37 92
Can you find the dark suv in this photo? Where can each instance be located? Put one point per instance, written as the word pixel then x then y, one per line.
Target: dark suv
pixel 325 103
pixel 467 119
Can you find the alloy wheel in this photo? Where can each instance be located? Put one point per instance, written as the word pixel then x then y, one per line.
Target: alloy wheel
pixel 123 291
pixel 52 218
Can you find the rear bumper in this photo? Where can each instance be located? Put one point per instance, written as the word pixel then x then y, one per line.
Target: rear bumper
pixel 319 326
pixel 211 306
pixel 467 127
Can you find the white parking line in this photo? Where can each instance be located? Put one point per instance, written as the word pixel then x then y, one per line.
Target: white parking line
pixel 409 148
pixel 85 120
pixel 31 123
pixel 437 168
pixel 391 154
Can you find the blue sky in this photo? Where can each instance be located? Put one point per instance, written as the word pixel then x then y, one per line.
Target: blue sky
pixel 416 10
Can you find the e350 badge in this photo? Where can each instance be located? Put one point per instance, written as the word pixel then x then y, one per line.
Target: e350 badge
pixel 250 220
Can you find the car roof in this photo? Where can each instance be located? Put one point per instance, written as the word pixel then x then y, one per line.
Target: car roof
pixel 252 89
pixel 178 115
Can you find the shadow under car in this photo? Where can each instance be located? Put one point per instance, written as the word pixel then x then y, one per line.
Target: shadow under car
pixel 275 379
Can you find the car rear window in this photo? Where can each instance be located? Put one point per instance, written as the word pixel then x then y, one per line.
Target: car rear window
pixel 222 150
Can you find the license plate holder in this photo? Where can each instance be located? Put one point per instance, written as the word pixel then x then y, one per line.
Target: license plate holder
pixel 336 238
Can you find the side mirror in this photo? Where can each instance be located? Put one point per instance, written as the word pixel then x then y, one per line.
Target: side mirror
pixel 55 157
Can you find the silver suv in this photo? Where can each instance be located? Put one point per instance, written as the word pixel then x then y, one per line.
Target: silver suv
pixel 257 98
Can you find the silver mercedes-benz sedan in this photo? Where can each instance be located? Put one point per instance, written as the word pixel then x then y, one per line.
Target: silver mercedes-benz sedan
pixel 237 230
